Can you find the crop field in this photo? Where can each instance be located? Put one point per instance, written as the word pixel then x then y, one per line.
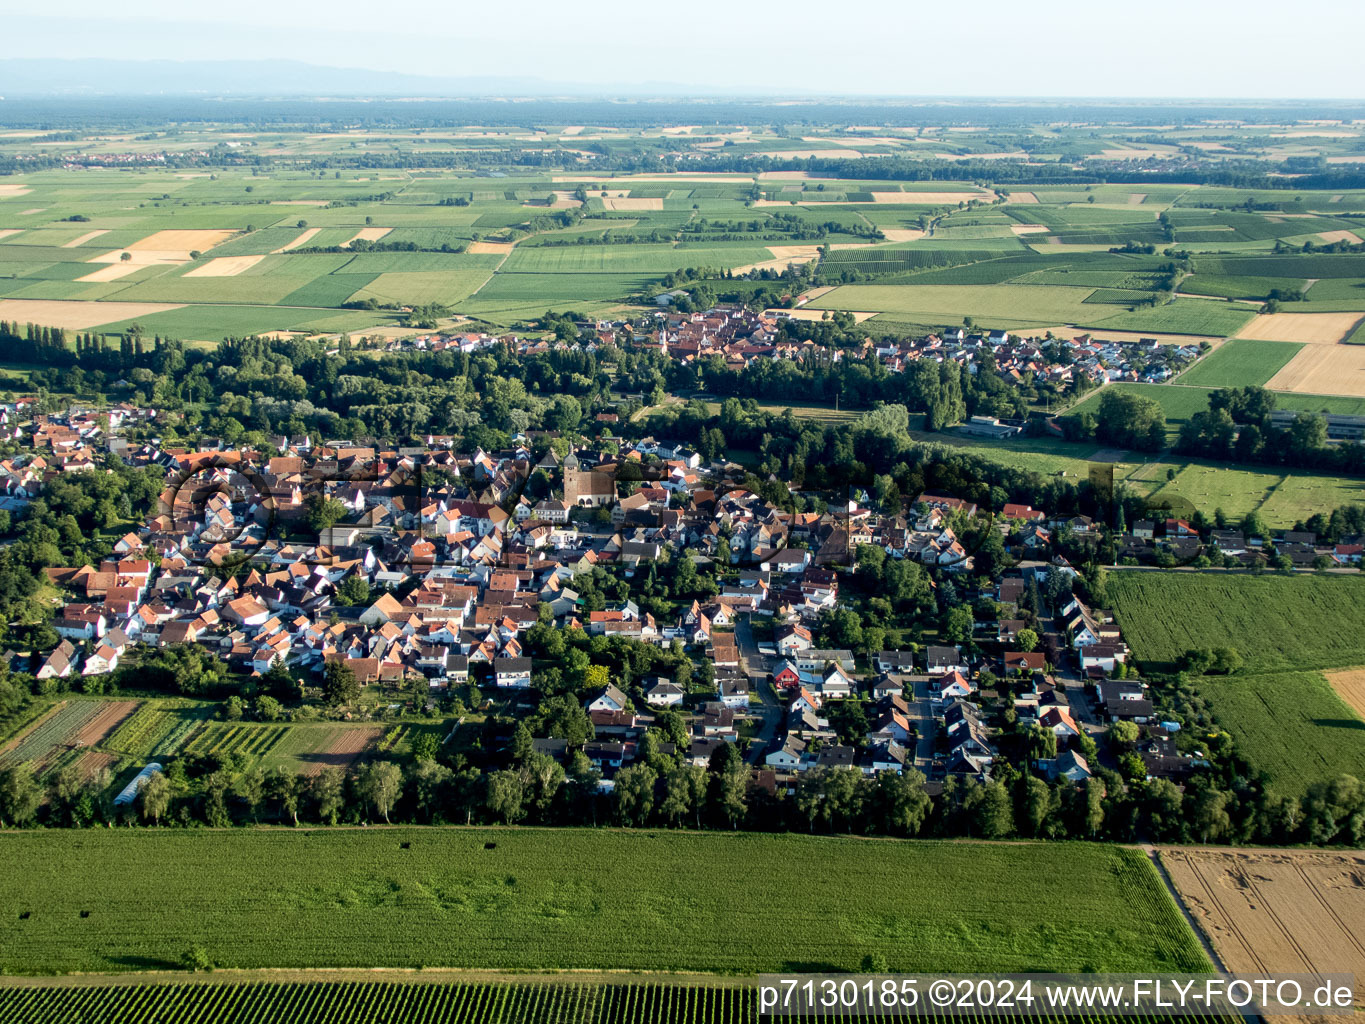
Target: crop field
pixel 1277 623
pixel 179 228
pixel 1334 369
pixel 1275 910
pixel 250 740
pixel 1241 362
pixel 526 899
pixel 1292 726
pixel 384 1001
pixel 67 727
pixel 156 730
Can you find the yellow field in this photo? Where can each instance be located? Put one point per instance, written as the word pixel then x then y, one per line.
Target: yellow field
pixel 626 203
pixel 368 235
pixel 112 271
pixel 225 266
pixel 170 246
pixel 75 242
pixel 1350 686
pixel 302 240
pixel 1309 328
pixel 1323 370
pixel 77 316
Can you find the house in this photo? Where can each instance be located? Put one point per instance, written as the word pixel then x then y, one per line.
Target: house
pixel 1059 721
pixel 895 661
pixel 951 685
pixel 945 659
pixel 512 672
pixel 1069 765
pixel 734 692
pixel 664 694
pixel 790 756
pixel 1023 662
pixel 786 675
pixel 606 698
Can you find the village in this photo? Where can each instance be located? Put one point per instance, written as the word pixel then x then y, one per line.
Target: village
pixel 424 570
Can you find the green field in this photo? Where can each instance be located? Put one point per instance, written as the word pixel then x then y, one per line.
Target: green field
pixel 1241 362
pixel 383 1000
pixel 569 899
pixel 1292 726
pixel 1277 623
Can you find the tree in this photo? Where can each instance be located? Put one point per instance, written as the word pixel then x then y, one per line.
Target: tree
pixel 322 512
pixel 684 792
pixel 1123 735
pixel 284 787
pixel 634 794
pixel 381 784
pixel 502 795
pixel 901 802
pixel 339 684
pixel 154 797
pixel 1026 639
pixel 196 959
pixel 19 795
pixel 329 793
pixel 958 626
pixel 353 590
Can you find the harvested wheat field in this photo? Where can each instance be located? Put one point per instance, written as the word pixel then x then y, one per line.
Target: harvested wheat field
pixel 1293 911
pixel 1022 197
pixel 112 271
pixel 1323 370
pixel 170 246
pixel 1350 686
pixel 14 190
pixel 77 316
pixel 782 255
pixel 627 203
pixel 1030 229
pixel 299 202
pixel 225 266
pixel 1339 236
pixel 77 242
pixel 1309 328
pixel 814 314
pixel 342 751
pixel 899 235
pixel 495 248
pixel 6 232
pixel 301 240
pixel 367 235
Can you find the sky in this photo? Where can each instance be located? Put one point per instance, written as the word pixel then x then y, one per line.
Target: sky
pixel 1188 49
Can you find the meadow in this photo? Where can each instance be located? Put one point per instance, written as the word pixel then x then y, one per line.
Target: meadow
pixel 1277 623
pixel 1241 362
pixel 525 899
pixel 1290 725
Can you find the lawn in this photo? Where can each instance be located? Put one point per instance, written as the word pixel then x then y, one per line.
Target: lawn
pixel 1241 362
pixel 578 899
pixel 1292 726
pixel 1277 623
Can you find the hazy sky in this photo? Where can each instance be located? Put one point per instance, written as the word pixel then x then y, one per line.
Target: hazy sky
pixel 1158 48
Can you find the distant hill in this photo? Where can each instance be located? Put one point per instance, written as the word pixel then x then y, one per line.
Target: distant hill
pixel 28 77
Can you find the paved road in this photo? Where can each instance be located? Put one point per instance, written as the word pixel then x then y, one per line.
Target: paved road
pixel 755 666
pixel 922 716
